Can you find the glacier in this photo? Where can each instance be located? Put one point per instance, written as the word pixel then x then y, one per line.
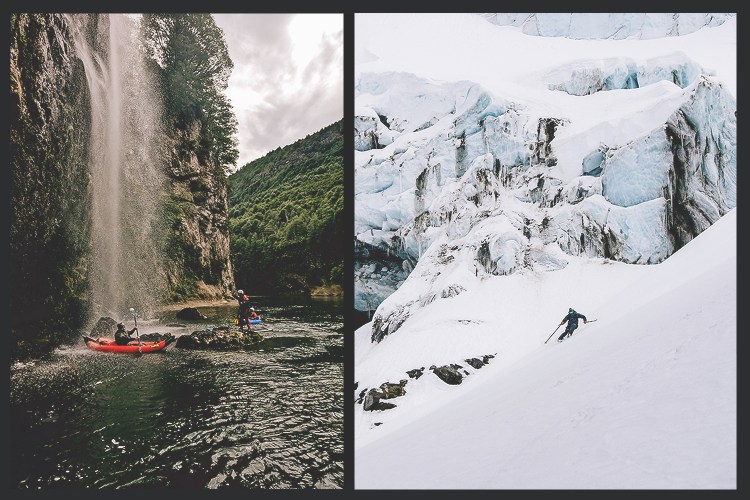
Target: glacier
pixel 451 165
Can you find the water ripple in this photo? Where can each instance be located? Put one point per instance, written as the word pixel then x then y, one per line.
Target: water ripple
pixel 265 418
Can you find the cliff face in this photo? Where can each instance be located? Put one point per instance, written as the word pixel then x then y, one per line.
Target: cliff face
pixel 198 262
pixel 49 179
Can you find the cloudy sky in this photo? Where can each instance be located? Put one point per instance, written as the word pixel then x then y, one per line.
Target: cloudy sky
pixel 288 77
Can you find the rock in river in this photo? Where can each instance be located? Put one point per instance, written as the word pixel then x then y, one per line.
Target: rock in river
pixel 220 339
pixel 190 313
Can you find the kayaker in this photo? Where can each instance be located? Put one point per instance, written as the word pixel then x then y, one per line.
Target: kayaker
pixel 122 337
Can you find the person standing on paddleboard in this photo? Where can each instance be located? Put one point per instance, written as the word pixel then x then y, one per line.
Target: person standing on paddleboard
pixel 244 309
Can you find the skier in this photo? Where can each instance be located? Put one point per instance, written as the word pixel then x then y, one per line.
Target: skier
pixel 572 319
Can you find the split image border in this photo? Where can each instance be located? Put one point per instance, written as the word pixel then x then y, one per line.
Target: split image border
pixel 348 11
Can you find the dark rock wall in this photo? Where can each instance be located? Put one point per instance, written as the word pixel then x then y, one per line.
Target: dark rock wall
pixel 198 262
pixel 49 181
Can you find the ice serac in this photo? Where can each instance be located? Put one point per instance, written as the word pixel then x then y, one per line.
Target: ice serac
pixel 616 26
pixel 477 189
pixel 589 77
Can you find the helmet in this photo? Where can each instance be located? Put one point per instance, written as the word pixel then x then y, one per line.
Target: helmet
pixel 570 310
pixel 252 309
pixel 240 292
pixel 120 325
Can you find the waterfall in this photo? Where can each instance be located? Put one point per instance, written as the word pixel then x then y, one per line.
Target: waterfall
pixel 126 180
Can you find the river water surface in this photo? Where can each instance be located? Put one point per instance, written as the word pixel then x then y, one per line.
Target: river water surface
pixel 270 417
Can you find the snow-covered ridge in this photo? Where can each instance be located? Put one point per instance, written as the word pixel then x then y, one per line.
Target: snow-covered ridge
pixel 616 26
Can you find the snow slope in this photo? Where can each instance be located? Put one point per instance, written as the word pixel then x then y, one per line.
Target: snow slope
pixel 643 398
pixel 494 172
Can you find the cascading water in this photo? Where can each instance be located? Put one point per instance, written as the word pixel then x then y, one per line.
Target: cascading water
pixel 126 181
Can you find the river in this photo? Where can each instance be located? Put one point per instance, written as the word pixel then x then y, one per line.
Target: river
pixel 271 417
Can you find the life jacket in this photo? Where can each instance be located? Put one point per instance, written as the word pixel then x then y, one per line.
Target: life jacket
pixel 244 305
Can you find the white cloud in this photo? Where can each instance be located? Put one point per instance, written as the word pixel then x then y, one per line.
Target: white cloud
pixel 287 80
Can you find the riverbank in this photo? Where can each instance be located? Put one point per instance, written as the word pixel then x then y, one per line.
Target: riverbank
pixel 177 306
pixel 318 292
pixel 327 291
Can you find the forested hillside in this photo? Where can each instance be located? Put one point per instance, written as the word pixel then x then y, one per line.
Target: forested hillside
pixel 285 218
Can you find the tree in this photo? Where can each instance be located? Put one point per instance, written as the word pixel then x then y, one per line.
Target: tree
pixel 191 51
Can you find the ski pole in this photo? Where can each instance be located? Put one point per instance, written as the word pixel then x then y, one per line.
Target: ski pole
pixel 558 326
pixel 137 334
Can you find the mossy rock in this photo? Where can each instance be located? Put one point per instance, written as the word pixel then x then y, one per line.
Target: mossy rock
pixel 219 339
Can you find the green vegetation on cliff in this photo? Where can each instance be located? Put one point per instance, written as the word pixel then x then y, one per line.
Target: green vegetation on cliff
pixel 193 66
pixel 286 225
pixel 54 158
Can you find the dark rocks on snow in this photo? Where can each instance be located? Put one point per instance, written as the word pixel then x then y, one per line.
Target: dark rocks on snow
pixel 416 372
pixel 361 397
pixel 475 363
pixel 372 399
pixel 486 358
pixel 449 374
pixel 219 339
pixel 390 390
pixel 190 313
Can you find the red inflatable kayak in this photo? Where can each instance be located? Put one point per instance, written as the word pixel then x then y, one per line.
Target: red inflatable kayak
pixel 109 345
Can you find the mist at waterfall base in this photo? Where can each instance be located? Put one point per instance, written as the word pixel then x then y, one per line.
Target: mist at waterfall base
pixel 271 417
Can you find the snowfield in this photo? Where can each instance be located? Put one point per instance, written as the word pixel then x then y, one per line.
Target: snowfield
pixel 645 397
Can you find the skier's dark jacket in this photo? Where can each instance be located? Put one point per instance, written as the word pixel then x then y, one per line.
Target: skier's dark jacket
pixel 572 319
